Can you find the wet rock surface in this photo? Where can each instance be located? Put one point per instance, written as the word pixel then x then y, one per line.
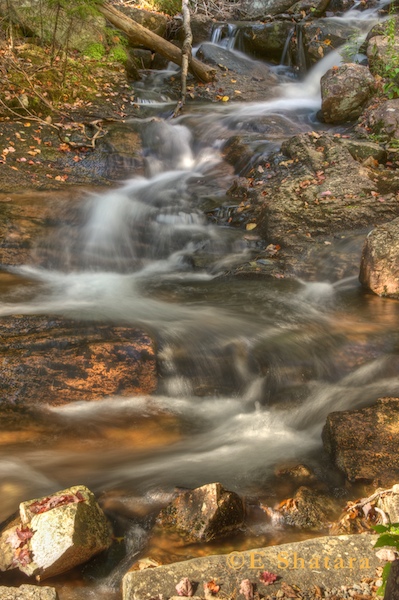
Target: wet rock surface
pixel 204 514
pixel 318 188
pixel 56 361
pixel 363 443
pixel 55 533
pixel 308 509
pixel 379 268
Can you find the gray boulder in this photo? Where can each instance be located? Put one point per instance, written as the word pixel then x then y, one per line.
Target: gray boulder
pixel 379 268
pixel 55 533
pixel 384 120
pixel 45 21
pixel 344 92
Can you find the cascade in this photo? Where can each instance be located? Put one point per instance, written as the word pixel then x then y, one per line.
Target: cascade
pixel 249 369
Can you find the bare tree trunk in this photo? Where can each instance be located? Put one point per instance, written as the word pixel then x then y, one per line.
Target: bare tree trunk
pixel 186 54
pixel 142 36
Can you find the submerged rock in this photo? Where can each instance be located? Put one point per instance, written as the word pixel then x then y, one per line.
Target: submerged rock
pixel 57 361
pixel 55 533
pixel 205 513
pixel 308 509
pixel 364 444
pixel 28 592
pixel 344 91
pixel 379 268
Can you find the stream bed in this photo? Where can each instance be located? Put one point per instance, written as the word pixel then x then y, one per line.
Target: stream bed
pixel 249 367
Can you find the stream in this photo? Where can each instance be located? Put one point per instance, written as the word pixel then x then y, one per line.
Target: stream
pixel 249 368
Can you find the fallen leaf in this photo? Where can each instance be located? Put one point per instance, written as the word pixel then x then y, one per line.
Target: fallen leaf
pixel 250 226
pixel 225 98
pixel 22 556
pixel 267 578
pixel 327 193
pixel 185 588
pixel 247 589
pixel 211 587
pixel 288 590
pixel 51 502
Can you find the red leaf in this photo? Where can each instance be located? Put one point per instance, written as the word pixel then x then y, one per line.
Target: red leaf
pixel 22 556
pixel 51 502
pixel 19 537
pixel 267 578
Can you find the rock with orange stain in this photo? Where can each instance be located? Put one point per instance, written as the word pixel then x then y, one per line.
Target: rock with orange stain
pixel 205 513
pixel 55 361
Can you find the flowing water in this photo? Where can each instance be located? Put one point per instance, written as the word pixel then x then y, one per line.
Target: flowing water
pixel 250 369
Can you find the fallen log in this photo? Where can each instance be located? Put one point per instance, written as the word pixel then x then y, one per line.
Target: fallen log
pixel 144 37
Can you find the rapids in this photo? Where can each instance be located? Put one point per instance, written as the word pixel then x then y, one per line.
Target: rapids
pixel 249 369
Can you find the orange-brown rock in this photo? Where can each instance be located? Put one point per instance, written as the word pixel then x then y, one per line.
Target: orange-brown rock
pixel 56 361
pixel 205 513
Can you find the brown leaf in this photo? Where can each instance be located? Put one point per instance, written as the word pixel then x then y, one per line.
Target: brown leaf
pixel 185 588
pixel 211 587
pixel 288 590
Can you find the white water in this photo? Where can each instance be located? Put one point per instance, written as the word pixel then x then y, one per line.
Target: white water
pixel 250 370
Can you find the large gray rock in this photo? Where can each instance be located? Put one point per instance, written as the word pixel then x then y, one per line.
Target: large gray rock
pixel 380 52
pixel 344 92
pixel 384 120
pixel 47 20
pixel 55 533
pixel 28 592
pixel 324 562
pixel 268 7
pixel 364 443
pixel 379 268
pixel 205 513
pixel 265 40
pixel 218 56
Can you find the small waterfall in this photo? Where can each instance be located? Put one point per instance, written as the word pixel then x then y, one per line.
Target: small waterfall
pixel 225 35
pixel 300 58
pixel 286 56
